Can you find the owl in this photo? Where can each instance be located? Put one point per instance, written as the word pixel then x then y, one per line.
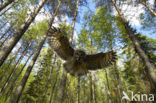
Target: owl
pixel 77 62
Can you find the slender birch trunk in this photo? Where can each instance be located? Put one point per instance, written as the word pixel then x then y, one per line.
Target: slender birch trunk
pixel 74 19
pixel 144 3
pixel 4 52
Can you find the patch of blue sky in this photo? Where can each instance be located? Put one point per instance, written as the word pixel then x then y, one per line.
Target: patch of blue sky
pixel 135 23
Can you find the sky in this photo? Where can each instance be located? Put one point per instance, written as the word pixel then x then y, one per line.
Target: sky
pixel 131 13
pixel 126 10
pixel 78 26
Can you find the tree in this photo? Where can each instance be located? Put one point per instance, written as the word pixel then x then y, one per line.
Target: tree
pixel 143 2
pixel 13 84
pixel 15 67
pixel 64 75
pixel 4 52
pixel 37 88
pixel 17 94
pixel 49 78
pixel 130 32
pixel 78 90
pixel 20 87
pixel 54 85
pixel 73 23
pixel 6 4
pixel 32 74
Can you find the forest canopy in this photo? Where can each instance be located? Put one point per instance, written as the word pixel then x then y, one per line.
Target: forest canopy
pixel 31 72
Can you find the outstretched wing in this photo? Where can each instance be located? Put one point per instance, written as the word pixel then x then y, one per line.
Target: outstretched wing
pixel 100 60
pixel 60 43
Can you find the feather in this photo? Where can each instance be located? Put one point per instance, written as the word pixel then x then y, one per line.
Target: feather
pixel 77 62
pixel 100 60
pixel 60 44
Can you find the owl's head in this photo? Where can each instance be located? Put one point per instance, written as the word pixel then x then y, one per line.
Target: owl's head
pixel 79 54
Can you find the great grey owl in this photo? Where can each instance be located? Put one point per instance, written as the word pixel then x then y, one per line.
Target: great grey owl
pixel 77 61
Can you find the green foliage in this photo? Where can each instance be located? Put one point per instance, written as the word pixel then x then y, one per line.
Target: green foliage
pixel 37 30
pixel 101 32
pixel 149 46
pixel 37 86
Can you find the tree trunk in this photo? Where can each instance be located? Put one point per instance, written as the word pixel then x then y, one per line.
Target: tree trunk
pixel 107 79
pixel 1 45
pixel 15 68
pixel 119 86
pixel 4 52
pixel 91 87
pixel 69 91
pixel 94 89
pixel 62 87
pixel 53 88
pixel 18 75
pixel 11 5
pixel 6 31
pixel 116 71
pixel 84 91
pixel 108 88
pixel 2 25
pixel 64 75
pixel 15 55
pixel 95 100
pixel 49 78
pixel 10 62
pixel 144 3
pixel 17 94
pixel 74 19
pixel 54 14
pixel 6 4
pixel 67 97
pixel 149 67
pixel 78 90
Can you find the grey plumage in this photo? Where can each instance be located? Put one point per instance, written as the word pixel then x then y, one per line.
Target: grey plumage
pixel 77 61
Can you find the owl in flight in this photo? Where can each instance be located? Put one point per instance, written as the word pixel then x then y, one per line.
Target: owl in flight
pixel 77 63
